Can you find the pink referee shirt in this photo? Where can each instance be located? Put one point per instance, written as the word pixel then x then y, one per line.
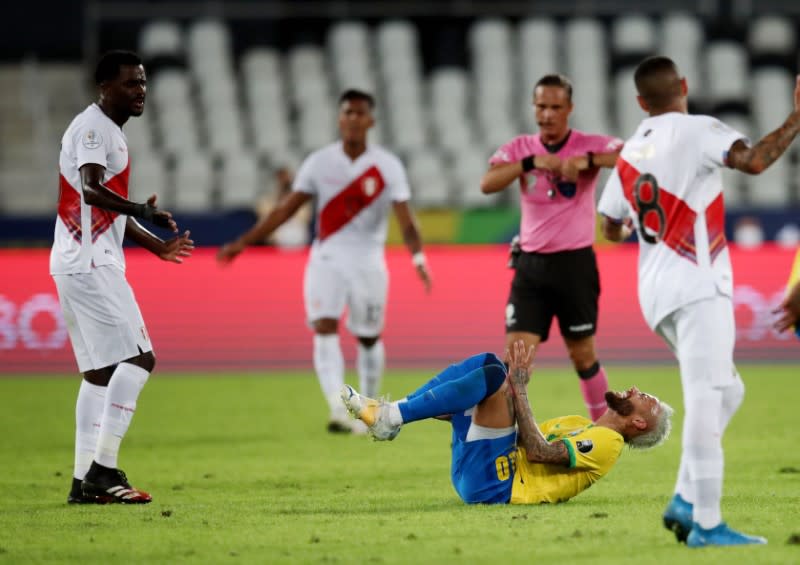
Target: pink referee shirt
pixel 559 223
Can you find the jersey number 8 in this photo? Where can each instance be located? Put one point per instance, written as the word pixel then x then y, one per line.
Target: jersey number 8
pixel 646 185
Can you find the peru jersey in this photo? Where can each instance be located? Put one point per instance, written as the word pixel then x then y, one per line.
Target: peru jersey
pixel 353 198
pixel 560 223
pixel 84 235
pixel 593 451
pixel 668 180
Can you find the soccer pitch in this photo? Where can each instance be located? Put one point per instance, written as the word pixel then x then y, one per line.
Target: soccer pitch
pixel 242 471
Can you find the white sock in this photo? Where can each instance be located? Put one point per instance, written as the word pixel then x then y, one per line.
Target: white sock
pixel 329 365
pixel 123 389
pixel 369 364
pixel 702 449
pixel 684 486
pixel 706 510
pixel 395 417
pixel 88 413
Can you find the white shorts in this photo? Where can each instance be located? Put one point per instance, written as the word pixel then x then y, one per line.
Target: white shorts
pixel 330 285
pixel 702 336
pixel 104 322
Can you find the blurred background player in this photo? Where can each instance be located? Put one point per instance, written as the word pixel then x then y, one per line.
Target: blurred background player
pixel 356 185
pixel 789 309
pixel 685 275
pixel 494 462
pixel 556 271
pixel 296 231
pixel 108 335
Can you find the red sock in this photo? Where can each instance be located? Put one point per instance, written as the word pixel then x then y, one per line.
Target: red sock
pixel 594 389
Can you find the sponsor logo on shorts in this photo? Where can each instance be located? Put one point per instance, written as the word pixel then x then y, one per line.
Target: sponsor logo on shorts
pixel 510 319
pixel 581 327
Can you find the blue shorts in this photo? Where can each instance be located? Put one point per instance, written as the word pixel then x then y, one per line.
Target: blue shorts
pixel 482 471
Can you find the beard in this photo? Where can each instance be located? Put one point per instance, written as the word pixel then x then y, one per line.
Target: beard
pixel 622 406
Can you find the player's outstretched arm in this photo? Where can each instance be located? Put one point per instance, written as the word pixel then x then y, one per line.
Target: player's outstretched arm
pixel 174 250
pixel 756 159
pixel 96 194
pixel 413 240
pixel 537 448
pixel 286 208
pixel 789 310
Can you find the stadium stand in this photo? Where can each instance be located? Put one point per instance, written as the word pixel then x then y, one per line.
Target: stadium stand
pixel 227 108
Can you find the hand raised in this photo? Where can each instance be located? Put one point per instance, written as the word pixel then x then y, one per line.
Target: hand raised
pixel 520 361
pixel 177 248
pixel 548 162
pixel 572 166
pixel 160 218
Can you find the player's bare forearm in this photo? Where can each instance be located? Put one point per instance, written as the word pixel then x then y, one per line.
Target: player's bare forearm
pixel 606 160
pixel 757 159
pixel 537 448
pixel 100 196
pixel 412 238
pixel 499 177
pixel 285 209
pixel 135 232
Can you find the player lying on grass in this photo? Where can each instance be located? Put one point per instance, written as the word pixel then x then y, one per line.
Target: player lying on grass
pixel 495 462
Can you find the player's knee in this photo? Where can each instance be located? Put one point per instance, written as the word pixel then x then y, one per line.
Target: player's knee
pixel 368 342
pixel 146 361
pixel 325 326
pixel 99 377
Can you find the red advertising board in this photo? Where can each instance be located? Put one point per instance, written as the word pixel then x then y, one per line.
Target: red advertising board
pixel 250 316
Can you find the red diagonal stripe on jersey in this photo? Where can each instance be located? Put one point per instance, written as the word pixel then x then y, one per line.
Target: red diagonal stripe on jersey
pixel 350 201
pixel 69 207
pixel 102 219
pixel 680 218
pixel 715 222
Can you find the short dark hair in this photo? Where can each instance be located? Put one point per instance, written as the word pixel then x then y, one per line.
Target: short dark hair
pixel 109 64
pixel 558 80
pixel 355 94
pixel 657 81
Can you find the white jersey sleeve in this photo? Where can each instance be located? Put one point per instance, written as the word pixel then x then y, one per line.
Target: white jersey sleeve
pixel 304 179
pixel 716 139
pixel 398 183
pixel 91 144
pixel 612 202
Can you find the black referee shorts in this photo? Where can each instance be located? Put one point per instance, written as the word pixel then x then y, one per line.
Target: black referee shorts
pixel 565 284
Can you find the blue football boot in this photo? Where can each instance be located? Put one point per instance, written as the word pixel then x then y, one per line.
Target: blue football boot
pixel 678 518
pixel 720 535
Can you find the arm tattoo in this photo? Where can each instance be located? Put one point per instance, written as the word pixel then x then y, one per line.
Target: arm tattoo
pixel 537 448
pixel 757 158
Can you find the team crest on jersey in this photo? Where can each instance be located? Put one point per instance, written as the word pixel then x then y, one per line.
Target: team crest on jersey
pixel 92 139
pixel 584 445
pixel 369 185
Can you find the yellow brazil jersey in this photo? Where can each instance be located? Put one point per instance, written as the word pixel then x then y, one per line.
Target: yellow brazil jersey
pixel 593 450
pixel 794 276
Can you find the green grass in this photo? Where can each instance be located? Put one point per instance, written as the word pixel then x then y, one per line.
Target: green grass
pixel 242 471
